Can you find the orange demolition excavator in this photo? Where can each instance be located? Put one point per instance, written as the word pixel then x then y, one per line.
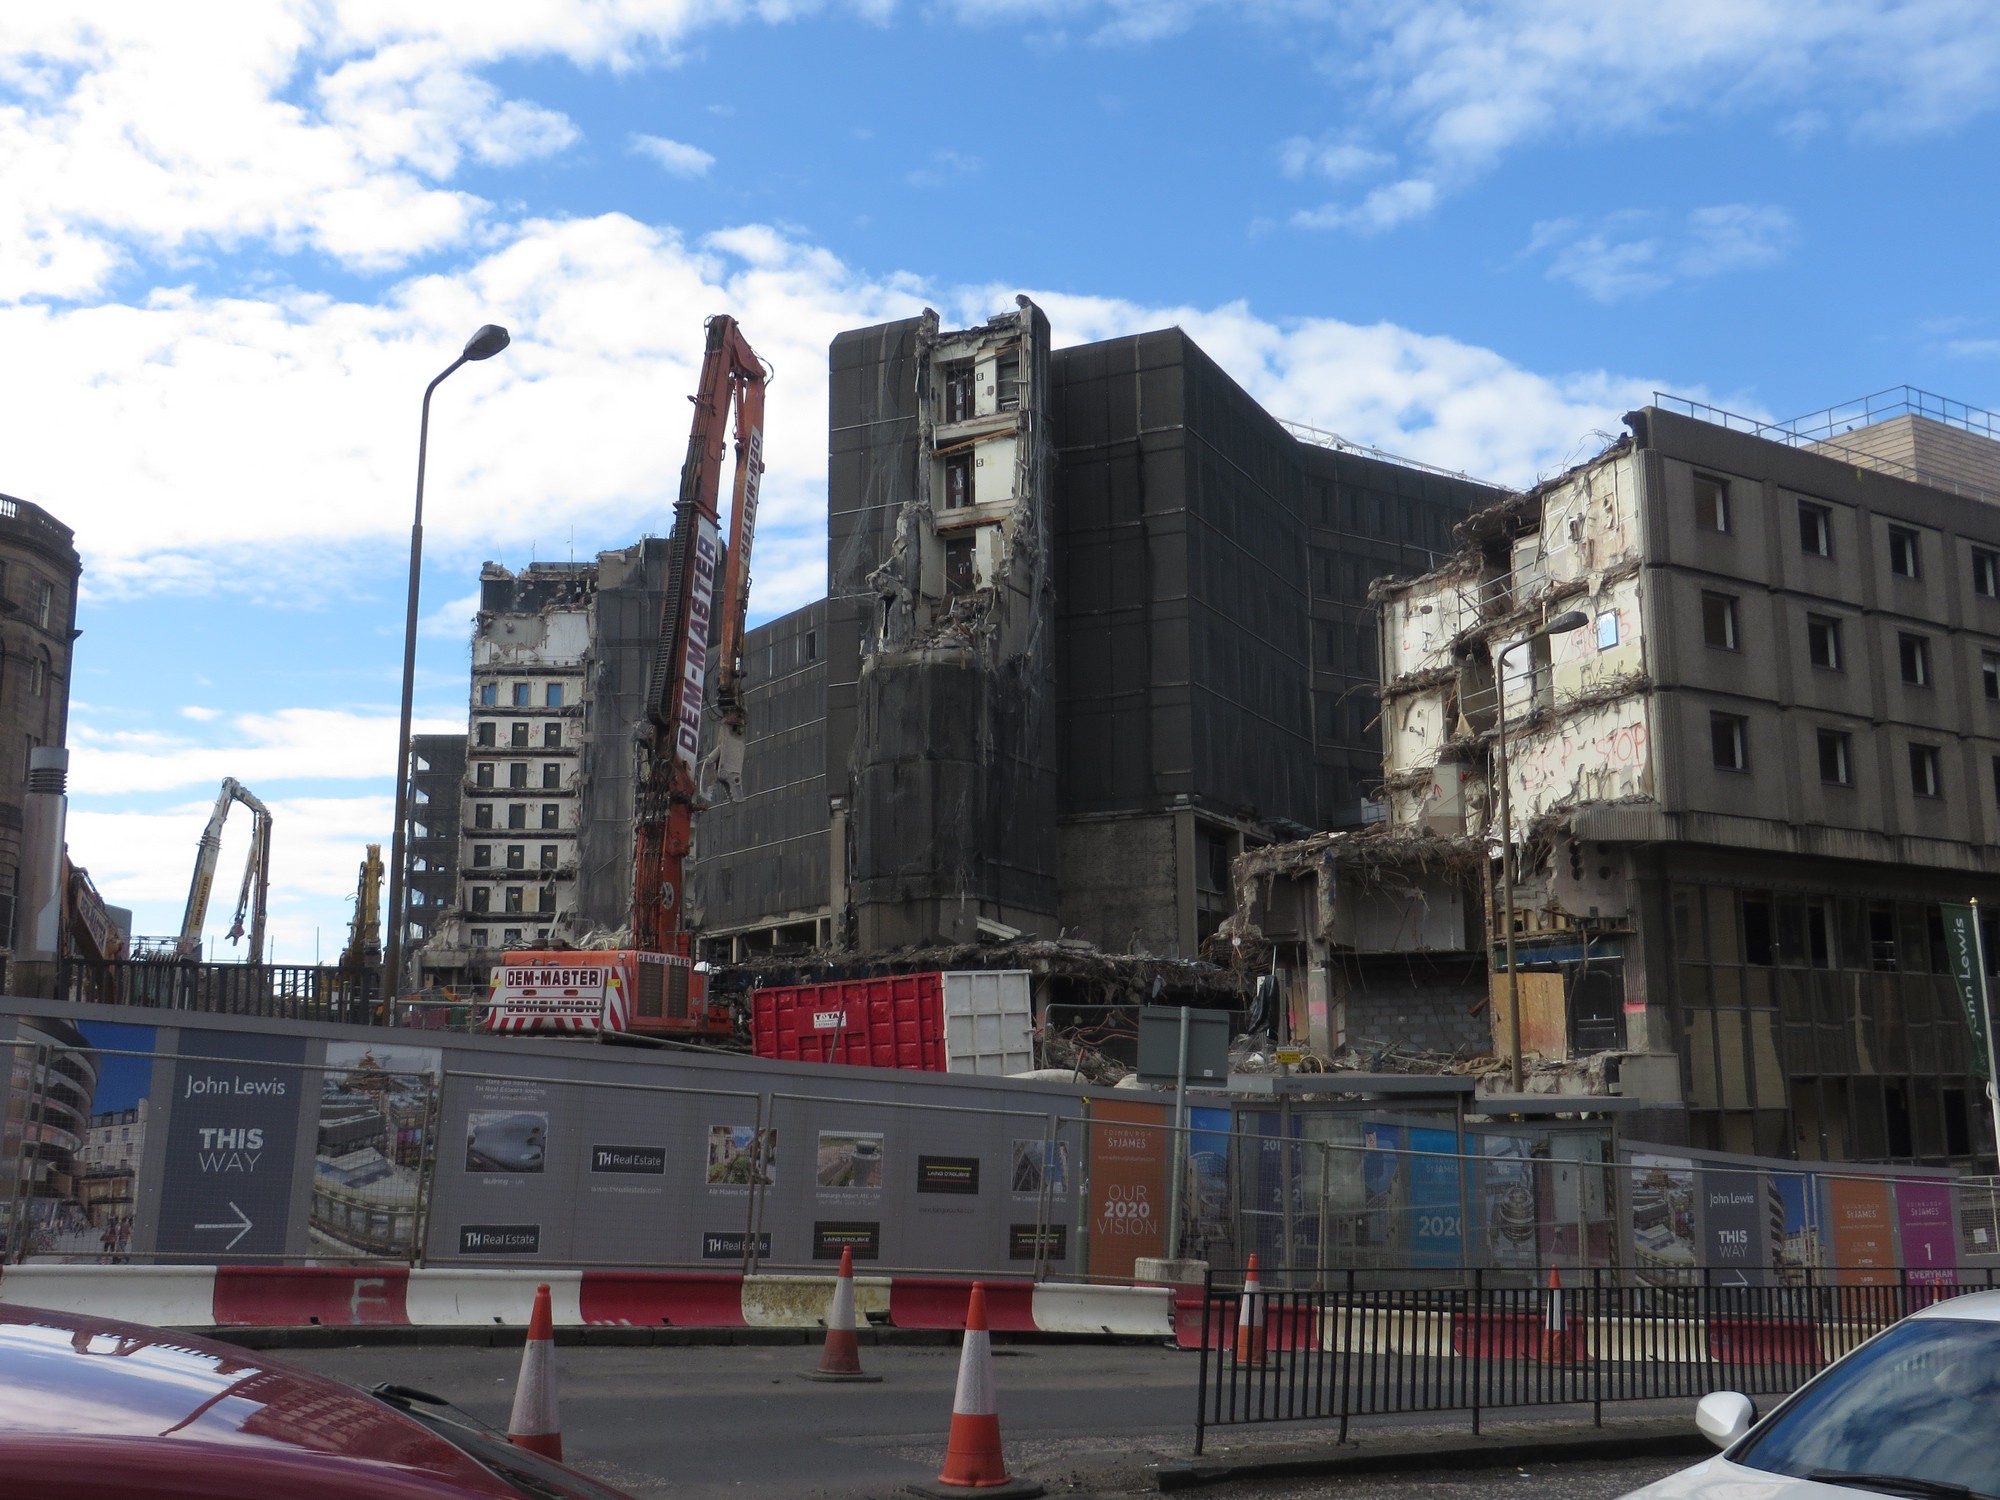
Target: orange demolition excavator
pixel 652 988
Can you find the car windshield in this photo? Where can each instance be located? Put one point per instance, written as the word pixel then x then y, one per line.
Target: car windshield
pixel 522 1471
pixel 1922 1402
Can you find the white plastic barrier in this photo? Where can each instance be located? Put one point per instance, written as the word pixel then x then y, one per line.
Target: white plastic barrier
pixel 450 1298
pixel 1138 1311
pixel 164 1296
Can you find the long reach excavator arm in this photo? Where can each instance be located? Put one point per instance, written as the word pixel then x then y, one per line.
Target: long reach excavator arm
pixel 256 875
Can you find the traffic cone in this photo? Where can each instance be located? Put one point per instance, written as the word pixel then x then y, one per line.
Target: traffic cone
pixel 972 1458
pixel 1556 1346
pixel 534 1424
pixel 1250 1318
pixel 841 1359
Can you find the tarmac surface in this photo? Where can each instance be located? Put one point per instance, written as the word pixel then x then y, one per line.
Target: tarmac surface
pixel 705 1423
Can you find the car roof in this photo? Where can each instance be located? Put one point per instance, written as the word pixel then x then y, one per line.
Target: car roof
pixel 94 1380
pixel 1981 1307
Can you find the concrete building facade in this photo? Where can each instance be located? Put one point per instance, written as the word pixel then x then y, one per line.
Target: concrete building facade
pixel 1095 623
pixel 39 569
pixel 544 794
pixel 1739 793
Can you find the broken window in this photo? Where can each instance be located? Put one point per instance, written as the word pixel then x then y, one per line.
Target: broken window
pixel 517 815
pixel 513 899
pixel 519 737
pixel 482 815
pixel 479 937
pixel 551 814
pixel 1815 530
pixel 552 695
pixel 958 391
pixel 482 774
pixel 1823 641
pixel 517 857
pixel 483 735
pixel 1836 765
pixel 1607 631
pixel 1729 737
pixel 1986 572
pixel 958 481
pixel 552 736
pixel 1007 380
pixel 482 854
pixel 551 776
pixel 482 898
pixel 1989 674
pixel 1711 503
pixel 1904 559
pixel 1915 653
pixel 1924 780
pixel 959 575
pixel 517 773
pixel 1718 621
pixel 548 856
pixel 489 694
pixel 547 900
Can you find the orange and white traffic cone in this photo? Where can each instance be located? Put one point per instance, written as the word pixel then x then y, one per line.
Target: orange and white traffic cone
pixel 972 1458
pixel 841 1359
pixel 1556 1346
pixel 1250 1318
pixel 534 1424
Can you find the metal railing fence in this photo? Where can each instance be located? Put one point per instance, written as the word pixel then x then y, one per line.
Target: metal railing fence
pixel 1346 1351
pixel 287 992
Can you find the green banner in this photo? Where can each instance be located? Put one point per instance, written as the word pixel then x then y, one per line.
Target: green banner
pixel 1961 939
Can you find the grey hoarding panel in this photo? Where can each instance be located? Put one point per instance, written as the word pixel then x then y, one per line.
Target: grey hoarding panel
pixel 226 1187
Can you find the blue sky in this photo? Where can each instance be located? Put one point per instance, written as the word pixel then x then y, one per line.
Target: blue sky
pixel 233 252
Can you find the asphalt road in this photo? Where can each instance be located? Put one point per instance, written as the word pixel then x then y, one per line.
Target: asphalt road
pixel 722 1423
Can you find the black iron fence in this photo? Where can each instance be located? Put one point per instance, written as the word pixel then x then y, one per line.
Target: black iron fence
pixel 292 992
pixel 1342 1351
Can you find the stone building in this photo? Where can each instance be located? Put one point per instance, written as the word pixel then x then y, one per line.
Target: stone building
pixel 39 568
pixel 1740 792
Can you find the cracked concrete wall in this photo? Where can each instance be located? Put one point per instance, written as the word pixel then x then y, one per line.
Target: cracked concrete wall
pixel 950 743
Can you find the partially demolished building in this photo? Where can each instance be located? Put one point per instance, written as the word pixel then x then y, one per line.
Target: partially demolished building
pixel 1095 624
pixel 1739 792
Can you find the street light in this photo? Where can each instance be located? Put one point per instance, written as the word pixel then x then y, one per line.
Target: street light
pixel 487 342
pixel 1562 624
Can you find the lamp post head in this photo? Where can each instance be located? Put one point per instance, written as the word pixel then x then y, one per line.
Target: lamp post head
pixel 486 343
pixel 1562 624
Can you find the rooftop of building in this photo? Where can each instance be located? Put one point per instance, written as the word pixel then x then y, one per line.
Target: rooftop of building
pixel 1903 431
pixel 27 521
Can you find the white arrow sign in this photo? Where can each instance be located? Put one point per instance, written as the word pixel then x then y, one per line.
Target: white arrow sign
pixel 241 1226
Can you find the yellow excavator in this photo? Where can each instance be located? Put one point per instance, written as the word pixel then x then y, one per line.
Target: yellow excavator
pixel 256 876
pixel 363 954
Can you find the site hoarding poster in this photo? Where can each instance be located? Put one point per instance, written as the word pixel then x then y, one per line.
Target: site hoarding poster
pixel 373 1147
pixel 1508 1212
pixel 1862 1231
pixel 1732 1222
pixel 1792 1206
pixel 226 1189
pixel 1662 1195
pixel 1381 1175
pixel 1128 1160
pixel 1281 1171
pixel 511 1161
pixel 1437 1205
pixel 1924 1229
pixel 1209 1236
pixel 94 1219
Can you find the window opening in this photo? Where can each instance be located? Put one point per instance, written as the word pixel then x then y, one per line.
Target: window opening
pixel 1815 530
pixel 1835 766
pixel 1718 621
pixel 1728 741
pixel 1904 558
pixel 1711 503
pixel 1823 641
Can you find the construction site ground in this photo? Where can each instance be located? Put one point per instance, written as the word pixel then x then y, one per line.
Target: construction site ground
pixel 712 1421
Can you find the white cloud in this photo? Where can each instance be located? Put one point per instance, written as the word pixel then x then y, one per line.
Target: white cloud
pixel 944 167
pixel 1633 253
pixel 451 620
pixel 675 157
pixel 1384 208
pixel 1334 159
pixel 285 744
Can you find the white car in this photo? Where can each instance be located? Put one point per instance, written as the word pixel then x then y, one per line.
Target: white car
pixel 1915 1411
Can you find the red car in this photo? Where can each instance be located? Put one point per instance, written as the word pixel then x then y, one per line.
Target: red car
pixel 89 1407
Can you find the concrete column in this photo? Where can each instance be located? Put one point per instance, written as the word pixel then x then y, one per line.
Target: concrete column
pixel 39 890
pixel 1187 942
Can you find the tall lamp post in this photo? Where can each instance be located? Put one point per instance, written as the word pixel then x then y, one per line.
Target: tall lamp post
pixel 484 344
pixel 1562 624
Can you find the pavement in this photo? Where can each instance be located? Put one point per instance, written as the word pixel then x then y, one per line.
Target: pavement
pixel 722 1422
